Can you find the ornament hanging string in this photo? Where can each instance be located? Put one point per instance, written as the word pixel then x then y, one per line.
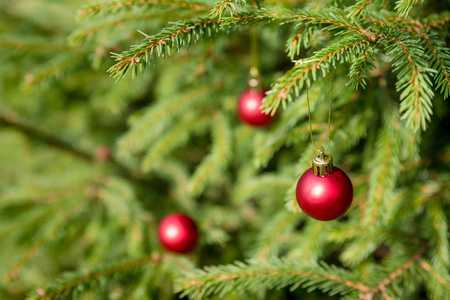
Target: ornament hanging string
pixel 320 149
pixel 255 78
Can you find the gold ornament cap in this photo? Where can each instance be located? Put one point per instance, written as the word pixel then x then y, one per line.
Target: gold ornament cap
pixel 322 164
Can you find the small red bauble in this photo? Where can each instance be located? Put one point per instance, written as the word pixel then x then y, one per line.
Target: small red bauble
pixel 249 111
pixel 324 192
pixel 178 233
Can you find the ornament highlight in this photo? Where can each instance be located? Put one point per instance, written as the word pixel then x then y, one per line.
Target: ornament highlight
pixel 248 109
pixel 178 233
pixel 324 192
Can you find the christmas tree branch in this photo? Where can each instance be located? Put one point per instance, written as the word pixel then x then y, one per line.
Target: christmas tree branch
pixel 32 129
pixel 31 43
pixel 223 6
pixel 92 30
pixel 183 33
pixel 398 272
pixel 97 8
pixel 56 67
pixel 14 119
pixel 295 78
pixel 175 137
pixel 178 174
pixel 271 274
pixel 411 67
pixel 435 21
pixel 157 118
pixel 381 287
pixel 438 233
pixel 441 279
pixel 334 18
pixel 261 186
pixel 440 60
pixel 385 168
pixel 159 45
pixel 361 68
pixel 403 7
pixel 294 43
pixel 67 287
pixel 358 7
pixel 216 161
pixel 60 225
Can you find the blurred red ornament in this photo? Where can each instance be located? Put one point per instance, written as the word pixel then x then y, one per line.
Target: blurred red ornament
pixel 178 233
pixel 324 192
pixel 249 109
pixel 102 154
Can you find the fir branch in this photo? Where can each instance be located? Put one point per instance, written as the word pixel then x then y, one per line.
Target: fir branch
pixel 412 73
pixel 260 186
pixel 398 272
pixel 295 78
pixel 92 10
pixel 311 249
pixel 82 33
pixel 332 20
pixel 117 98
pixel 35 194
pixel 437 20
pixel 68 285
pixel 253 17
pixel 275 232
pixel 34 130
pixel 409 22
pixel 385 168
pixel 358 7
pixel 184 32
pixel 442 279
pixel 30 128
pixel 31 43
pixel 175 137
pixel 157 118
pixel 293 44
pixel 335 20
pixel 223 6
pixel 403 7
pixel 72 214
pixel 55 68
pixel 120 200
pixel 431 21
pixel 290 200
pixel 272 274
pixel 159 45
pixel 178 174
pixel 436 50
pixel 215 162
pixel 440 61
pixel 438 234
pixel 362 247
pixel 361 68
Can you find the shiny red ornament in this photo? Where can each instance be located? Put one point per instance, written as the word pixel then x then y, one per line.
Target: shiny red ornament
pixel 325 194
pixel 178 233
pixel 249 109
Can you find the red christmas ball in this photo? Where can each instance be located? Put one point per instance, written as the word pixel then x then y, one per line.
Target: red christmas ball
pixel 324 198
pixel 248 109
pixel 178 233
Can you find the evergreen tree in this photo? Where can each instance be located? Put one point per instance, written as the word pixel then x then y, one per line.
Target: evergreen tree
pixel 90 164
